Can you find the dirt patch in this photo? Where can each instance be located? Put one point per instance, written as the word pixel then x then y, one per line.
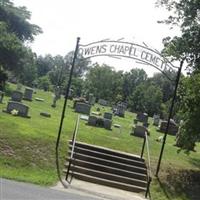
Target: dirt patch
pixel 6 149
pixel 185 182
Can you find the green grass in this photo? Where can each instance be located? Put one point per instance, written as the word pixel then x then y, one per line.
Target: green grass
pixel 27 148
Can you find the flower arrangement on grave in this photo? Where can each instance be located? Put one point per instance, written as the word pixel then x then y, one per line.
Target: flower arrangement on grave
pixel 14 112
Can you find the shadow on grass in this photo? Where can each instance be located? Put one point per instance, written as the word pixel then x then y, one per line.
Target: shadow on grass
pixel 195 162
pixel 163 188
pixel 183 183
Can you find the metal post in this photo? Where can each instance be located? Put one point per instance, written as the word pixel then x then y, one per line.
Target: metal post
pixel 169 117
pixel 143 147
pixel 148 186
pixel 64 108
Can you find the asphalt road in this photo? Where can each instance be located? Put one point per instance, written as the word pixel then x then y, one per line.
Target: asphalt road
pixel 13 190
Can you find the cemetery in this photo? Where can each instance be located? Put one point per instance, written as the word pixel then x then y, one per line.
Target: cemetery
pixel 109 127
pixel 72 117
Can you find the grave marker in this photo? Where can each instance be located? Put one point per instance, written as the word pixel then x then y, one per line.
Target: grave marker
pixel 83 108
pixel 16 96
pixel 20 107
pixel 173 128
pixel 1 96
pixel 28 93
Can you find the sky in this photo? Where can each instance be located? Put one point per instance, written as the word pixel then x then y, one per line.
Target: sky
pixel 62 21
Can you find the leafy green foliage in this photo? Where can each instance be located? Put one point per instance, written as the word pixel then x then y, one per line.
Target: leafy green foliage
pixel 15 30
pixel 44 83
pixel 189 95
pixel 103 82
pixel 146 98
pixel 16 19
pixel 11 49
pixel 185 14
pixel 131 80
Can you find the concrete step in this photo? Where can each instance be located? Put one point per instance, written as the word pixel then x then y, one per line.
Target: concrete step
pixel 110 157
pixel 137 174
pixel 109 183
pixel 108 176
pixel 107 151
pixel 107 162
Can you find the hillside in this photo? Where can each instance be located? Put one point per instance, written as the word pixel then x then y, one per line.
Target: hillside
pixel 27 148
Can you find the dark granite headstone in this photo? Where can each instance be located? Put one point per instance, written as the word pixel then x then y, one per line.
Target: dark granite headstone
pixel 22 110
pixel 28 93
pixel 107 123
pixel 92 121
pixel 107 115
pixel 139 131
pixel 45 114
pixel 16 96
pixel 142 117
pixel 83 108
pixel 173 128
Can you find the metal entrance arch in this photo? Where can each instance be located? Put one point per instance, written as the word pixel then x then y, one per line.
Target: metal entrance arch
pixel 117 49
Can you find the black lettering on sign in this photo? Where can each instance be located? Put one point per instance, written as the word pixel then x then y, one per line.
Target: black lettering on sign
pixel 130 50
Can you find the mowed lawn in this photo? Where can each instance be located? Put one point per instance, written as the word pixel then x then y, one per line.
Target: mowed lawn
pixel 27 148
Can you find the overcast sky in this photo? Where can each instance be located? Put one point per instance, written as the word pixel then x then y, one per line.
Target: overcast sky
pixel 62 21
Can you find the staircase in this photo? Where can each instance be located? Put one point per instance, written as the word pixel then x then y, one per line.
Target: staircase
pixel 106 167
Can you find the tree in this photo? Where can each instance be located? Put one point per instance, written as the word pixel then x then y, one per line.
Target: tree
pixel 131 80
pixel 17 20
pixel 28 72
pixel 44 64
pixel 11 49
pixel 15 30
pixel 186 48
pixel 190 106
pixel 81 65
pixel 103 82
pixel 166 85
pixel 146 98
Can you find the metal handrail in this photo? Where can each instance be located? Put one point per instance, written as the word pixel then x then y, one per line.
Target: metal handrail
pixel 149 173
pixel 73 146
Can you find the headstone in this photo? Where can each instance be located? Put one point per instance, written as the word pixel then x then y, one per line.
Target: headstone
pixel 91 99
pixel 142 117
pixel 28 93
pixel 92 121
pixel 1 96
pixel 44 114
pixel 57 94
pixel 20 107
pixel 139 131
pixel 39 99
pixel 107 123
pixel 103 102
pixel 117 126
pixel 107 115
pixel 173 128
pixel 71 91
pixel 96 113
pixel 84 117
pixel 83 108
pixel 120 110
pixel 19 87
pixel 16 96
pixel 156 120
pixel 78 100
